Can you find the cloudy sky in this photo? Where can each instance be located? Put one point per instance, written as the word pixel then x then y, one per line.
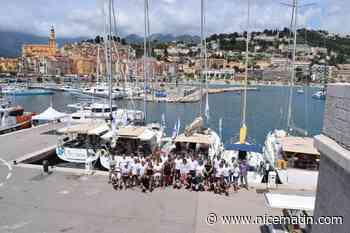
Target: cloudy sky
pixel 74 18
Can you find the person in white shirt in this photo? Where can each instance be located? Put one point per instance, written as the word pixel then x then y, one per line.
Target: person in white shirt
pixel 178 164
pixel 141 169
pixel 216 162
pixel 200 168
pixel 158 168
pixel 226 173
pixel 134 172
pixel 220 184
pixel 131 160
pixel 125 175
pixel 163 158
pixel 193 166
pixel 184 171
pixel 123 161
pixel 235 176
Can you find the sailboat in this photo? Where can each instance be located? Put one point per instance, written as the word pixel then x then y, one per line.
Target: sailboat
pixel 129 138
pixel 196 136
pixel 244 150
pixel 279 142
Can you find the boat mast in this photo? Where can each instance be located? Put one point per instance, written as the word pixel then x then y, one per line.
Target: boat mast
pixel 243 129
pixel 109 53
pixel 145 65
pixel 291 85
pixel 202 59
pixel 98 64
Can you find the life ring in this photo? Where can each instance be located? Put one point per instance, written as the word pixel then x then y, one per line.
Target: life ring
pixel 60 151
pixel 102 153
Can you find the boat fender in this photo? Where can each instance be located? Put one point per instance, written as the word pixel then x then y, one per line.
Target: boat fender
pixel 113 143
pixel 101 153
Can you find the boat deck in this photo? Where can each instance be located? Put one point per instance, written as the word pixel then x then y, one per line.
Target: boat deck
pixel 302 145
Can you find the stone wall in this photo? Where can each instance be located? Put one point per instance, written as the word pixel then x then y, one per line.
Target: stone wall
pixel 333 188
pixel 337 114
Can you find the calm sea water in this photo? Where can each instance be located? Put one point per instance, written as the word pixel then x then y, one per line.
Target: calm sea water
pixel 266 110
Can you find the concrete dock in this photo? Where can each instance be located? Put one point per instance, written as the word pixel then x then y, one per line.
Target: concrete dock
pixel 64 202
pixel 26 143
pixel 67 200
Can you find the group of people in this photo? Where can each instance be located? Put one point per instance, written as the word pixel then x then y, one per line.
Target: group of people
pixel 179 171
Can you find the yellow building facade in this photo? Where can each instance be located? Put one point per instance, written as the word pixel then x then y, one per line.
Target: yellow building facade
pixel 8 65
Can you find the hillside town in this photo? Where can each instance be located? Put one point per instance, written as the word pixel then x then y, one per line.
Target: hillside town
pixel 269 59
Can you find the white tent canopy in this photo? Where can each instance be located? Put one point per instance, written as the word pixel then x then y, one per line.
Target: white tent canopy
pixel 287 201
pixel 50 114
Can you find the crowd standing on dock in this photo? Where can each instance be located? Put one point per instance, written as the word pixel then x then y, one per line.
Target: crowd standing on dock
pixel 187 171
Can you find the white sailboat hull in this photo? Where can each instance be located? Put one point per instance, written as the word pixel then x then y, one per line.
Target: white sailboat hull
pixel 76 155
pixel 272 149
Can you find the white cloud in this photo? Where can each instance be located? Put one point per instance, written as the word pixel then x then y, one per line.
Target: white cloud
pixel 85 18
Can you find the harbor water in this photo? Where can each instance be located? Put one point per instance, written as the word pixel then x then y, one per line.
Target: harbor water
pixel 266 110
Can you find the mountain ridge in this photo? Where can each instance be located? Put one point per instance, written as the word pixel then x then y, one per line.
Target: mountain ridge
pixel 11 42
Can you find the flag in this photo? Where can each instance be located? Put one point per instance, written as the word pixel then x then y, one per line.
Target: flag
pixel 178 127
pixel 125 119
pixel 163 121
pixel 220 128
pixel 174 131
pixel 207 113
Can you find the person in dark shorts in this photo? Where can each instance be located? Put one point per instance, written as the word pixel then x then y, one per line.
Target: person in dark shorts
pixel 198 183
pixel 178 163
pixel 167 172
pixel 126 176
pixel 208 175
pixel 147 180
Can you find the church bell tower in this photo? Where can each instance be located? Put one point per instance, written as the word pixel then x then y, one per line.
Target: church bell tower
pixel 52 41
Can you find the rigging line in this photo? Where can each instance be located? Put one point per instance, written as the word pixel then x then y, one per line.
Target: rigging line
pixel 145 59
pixel 207 113
pixel 202 58
pixel 289 121
pixel 110 57
pixel 306 109
pixel 149 50
pixel 243 120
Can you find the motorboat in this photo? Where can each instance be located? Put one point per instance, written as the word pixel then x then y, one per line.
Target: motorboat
pixel 103 92
pixel 21 91
pixel 103 112
pixel 81 143
pixel 13 117
pixel 131 140
pixel 321 95
pixel 197 138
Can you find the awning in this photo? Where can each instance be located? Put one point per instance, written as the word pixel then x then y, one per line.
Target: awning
pixel 244 147
pixel 195 138
pixel 129 132
pixel 292 202
pixel 50 114
pixel 90 129
pixel 301 145
pixel 99 130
